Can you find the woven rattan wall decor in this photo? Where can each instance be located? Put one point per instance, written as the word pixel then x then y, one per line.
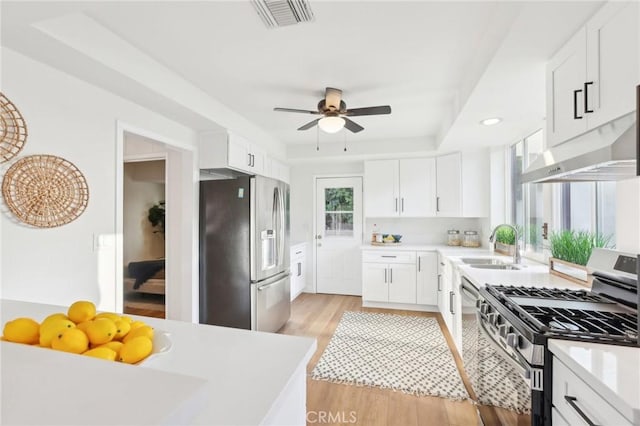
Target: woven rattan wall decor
pixel 45 191
pixel 13 130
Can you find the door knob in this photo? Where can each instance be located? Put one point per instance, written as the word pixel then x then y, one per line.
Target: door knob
pixel 319 245
pixel 318 237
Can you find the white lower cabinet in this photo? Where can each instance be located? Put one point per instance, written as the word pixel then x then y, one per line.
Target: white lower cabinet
pixel 400 279
pixel 574 401
pixel 389 277
pixel 427 278
pixel 298 269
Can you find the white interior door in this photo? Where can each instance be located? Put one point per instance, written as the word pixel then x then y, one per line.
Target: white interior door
pixel 338 235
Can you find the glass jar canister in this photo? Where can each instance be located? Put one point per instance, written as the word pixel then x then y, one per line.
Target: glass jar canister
pixel 471 239
pixel 453 237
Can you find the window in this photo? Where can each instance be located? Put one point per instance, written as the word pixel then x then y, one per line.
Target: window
pixel 527 203
pixel 587 206
pixel 338 217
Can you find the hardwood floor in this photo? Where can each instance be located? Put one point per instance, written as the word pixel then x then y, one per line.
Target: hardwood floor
pixel 317 315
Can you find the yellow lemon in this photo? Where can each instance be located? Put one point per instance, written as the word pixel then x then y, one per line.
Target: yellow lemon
pixel 126 318
pixel 102 352
pixel 110 315
pixel 145 331
pixel 81 311
pixel 101 330
pixel 52 328
pixel 136 350
pixel 71 340
pixel 123 329
pixel 22 330
pixel 113 345
pixel 54 317
pixel 84 325
pixel 136 324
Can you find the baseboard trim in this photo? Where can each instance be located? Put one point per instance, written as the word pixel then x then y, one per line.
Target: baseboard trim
pixel 402 306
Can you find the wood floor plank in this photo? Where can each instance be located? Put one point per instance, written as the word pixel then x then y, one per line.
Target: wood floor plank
pixel 318 315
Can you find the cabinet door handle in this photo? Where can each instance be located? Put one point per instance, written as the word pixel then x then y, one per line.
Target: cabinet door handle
pixel 249 160
pixel 437 204
pixel 572 402
pixel 419 263
pixel 253 160
pixel 575 105
pixel 402 204
pixel 586 97
pixel 439 282
pixel 396 204
pixel 451 303
pixel 389 256
pixel 390 275
pixel 385 275
pixel 299 268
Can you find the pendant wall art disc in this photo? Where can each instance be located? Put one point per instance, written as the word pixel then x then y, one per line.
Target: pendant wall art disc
pixel 45 191
pixel 13 130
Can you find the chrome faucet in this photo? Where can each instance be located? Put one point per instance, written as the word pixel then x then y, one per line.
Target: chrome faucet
pixel 516 255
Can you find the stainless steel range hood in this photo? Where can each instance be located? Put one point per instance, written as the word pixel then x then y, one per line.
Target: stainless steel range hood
pixel 605 153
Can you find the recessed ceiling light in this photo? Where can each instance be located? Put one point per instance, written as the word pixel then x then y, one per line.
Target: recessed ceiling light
pixel 491 121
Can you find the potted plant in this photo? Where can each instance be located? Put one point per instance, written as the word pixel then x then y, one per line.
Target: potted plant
pixel 156 216
pixel 505 241
pixel 570 252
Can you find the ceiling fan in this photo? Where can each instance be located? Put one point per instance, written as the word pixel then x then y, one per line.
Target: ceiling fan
pixel 334 113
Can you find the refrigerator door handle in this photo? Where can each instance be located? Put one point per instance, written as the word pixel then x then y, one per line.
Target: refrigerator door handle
pixel 276 219
pixel 281 226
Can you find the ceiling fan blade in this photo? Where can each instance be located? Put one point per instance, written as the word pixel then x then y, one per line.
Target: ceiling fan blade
pixel 309 124
pixel 352 125
pixel 376 110
pixel 303 111
pixel 332 97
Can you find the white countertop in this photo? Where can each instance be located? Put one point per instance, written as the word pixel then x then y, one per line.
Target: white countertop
pixel 612 371
pixel 245 371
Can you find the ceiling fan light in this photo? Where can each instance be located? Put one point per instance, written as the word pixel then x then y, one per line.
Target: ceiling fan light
pixel 331 124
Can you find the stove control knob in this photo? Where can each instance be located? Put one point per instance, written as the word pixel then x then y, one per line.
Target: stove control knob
pixel 484 308
pixel 493 318
pixel 503 330
pixel 512 340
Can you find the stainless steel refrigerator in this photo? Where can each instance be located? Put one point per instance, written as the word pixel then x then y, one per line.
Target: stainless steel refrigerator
pixel 244 253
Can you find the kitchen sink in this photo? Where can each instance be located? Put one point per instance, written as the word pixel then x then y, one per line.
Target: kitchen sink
pixel 497 266
pixel 481 261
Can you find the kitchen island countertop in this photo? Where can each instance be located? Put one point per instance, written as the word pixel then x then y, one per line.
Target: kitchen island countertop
pixel 250 377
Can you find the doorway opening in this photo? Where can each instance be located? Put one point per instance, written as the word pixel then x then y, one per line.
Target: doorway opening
pixel 144 243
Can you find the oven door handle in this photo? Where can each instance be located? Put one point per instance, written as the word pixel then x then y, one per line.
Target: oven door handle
pixel 468 288
pixel 524 371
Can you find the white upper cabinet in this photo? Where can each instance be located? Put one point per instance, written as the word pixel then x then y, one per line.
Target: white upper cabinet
pixel 222 150
pixel 418 187
pixel 449 185
pixel 428 187
pixel 612 61
pixel 404 188
pixel 590 81
pixel 566 76
pixel 381 188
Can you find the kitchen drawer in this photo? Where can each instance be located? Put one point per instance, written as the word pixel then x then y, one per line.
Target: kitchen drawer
pixel 298 251
pixel 389 256
pixel 592 405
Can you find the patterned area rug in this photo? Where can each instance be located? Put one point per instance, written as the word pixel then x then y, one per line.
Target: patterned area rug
pixel 391 351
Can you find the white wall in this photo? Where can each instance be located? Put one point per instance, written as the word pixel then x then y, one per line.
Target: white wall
pixel 141 191
pixel 628 215
pixel 77 121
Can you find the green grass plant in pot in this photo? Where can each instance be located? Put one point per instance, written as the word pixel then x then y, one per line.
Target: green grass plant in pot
pixel 506 237
pixel 576 246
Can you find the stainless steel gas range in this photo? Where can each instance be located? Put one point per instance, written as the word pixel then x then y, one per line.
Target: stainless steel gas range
pixel 516 322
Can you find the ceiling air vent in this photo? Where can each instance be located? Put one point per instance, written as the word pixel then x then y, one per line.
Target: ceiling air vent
pixel 278 13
